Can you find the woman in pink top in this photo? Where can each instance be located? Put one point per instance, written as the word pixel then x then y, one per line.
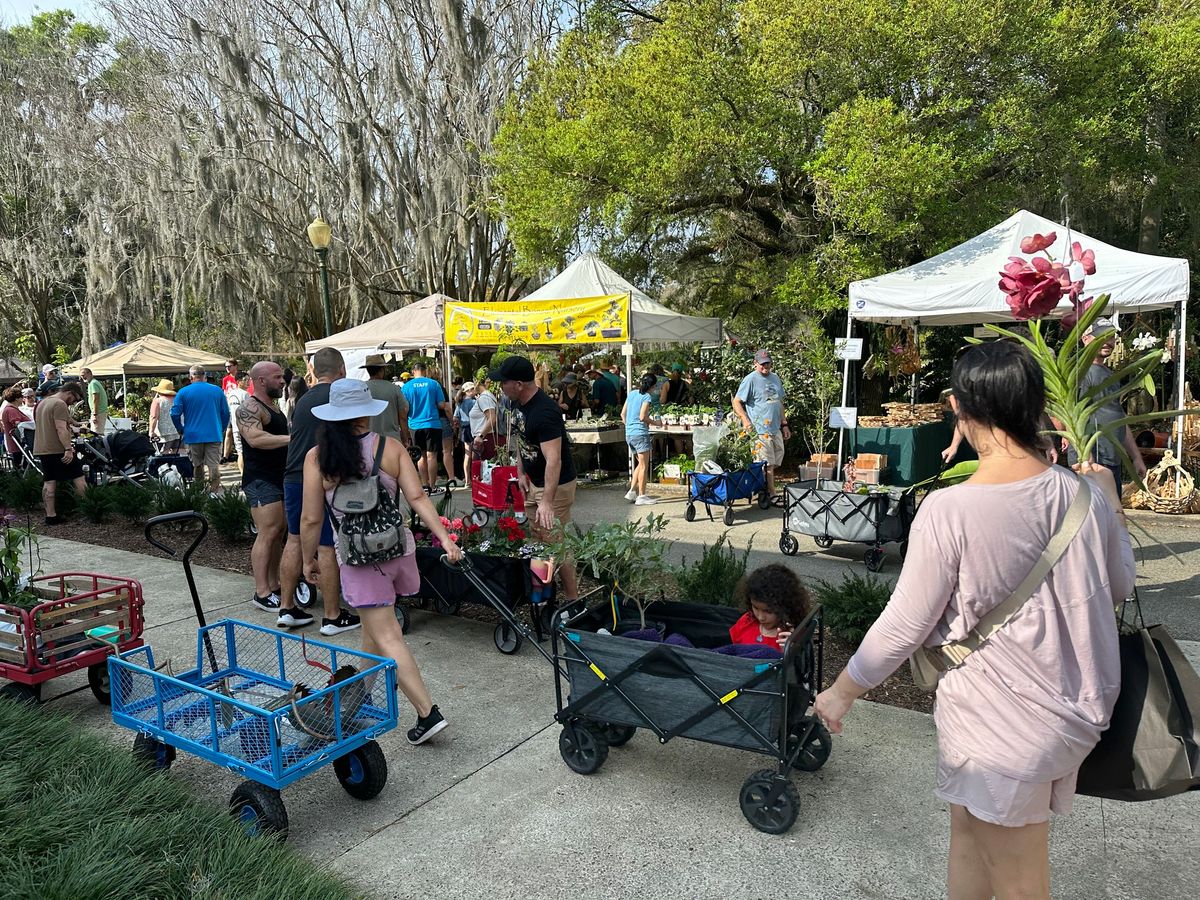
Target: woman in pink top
pixel 345 451
pixel 1017 718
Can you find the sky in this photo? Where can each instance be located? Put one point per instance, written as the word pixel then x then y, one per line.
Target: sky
pixel 15 12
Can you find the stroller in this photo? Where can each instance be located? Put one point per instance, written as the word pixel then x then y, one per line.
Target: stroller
pixel 115 456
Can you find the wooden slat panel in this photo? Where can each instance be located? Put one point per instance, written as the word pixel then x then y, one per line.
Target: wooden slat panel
pixel 10 639
pixel 109 600
pixel 12 656
pixel 58 632
pixel 10 619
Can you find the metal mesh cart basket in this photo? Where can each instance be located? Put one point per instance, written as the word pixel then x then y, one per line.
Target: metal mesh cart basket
pixel 825 512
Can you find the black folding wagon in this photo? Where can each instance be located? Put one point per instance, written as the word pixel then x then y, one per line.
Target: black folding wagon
pixel 607 686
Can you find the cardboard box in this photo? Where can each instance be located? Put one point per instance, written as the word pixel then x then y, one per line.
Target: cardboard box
pixel 823 459
pixel 871 461
pixel 671 470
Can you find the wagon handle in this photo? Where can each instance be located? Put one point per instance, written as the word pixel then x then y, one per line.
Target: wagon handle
pixel 183 516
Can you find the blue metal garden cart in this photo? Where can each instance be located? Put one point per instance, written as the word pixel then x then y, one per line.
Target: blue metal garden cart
pixel 268 705
pixel 724 488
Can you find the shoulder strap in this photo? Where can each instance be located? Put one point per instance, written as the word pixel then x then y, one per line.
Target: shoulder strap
pixel 998 617
pixel 380 446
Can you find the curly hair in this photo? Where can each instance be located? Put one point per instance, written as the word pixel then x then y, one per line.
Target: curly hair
pixel 778 588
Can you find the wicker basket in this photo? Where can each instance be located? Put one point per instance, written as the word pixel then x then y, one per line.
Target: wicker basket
pixel 1170 488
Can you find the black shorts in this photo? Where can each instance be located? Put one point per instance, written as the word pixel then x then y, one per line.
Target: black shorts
pixel 54 469
pixel 428 439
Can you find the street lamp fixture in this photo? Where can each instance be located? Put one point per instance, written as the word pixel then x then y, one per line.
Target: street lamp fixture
pixel 319 235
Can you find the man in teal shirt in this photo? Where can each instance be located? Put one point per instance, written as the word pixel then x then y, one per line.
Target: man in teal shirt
pixel 425 398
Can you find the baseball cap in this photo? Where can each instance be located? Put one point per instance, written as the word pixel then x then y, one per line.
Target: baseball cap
pixel 468 386
pixel 1101 325
pixel 676 367
pixel 762 356
pixel 48 368
pixel 27 392
pixel 513 368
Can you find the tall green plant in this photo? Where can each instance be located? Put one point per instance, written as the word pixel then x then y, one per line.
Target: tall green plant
pixel 713 578
pixel 851 607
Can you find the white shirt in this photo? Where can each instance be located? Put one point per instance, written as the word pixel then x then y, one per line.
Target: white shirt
pixel 485 401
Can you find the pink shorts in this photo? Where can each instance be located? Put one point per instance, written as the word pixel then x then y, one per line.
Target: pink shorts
pixel 999 799
pixel 380 584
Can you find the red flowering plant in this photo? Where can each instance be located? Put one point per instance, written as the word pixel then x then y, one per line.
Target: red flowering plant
pixel 1034 288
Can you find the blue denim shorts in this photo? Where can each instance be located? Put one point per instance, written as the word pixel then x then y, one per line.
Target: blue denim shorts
pixel 639 443
pixel 262 493
pixel 293 500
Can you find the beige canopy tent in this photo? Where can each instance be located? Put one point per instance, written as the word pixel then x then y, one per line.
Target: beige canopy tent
pixel 146 357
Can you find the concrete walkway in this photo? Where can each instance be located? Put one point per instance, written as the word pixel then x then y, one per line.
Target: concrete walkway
pixel 489 810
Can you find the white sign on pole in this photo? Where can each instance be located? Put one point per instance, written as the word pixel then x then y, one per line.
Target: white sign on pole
pixel 848 348
pixel 984 333
pixel 627 349
pixel 843 417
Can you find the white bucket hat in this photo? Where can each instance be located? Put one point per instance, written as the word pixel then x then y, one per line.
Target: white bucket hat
pixel 349 398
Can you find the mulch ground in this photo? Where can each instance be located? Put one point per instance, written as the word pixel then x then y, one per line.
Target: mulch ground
pixel 234 556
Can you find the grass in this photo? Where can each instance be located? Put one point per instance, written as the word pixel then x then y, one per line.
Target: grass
pixel 79 819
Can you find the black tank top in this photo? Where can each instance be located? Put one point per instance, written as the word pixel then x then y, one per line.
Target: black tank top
pixel 266 465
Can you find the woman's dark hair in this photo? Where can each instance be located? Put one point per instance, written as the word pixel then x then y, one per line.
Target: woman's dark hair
pixel 1000 385
pixel 647 383
pixel 339 452
pixel 777 588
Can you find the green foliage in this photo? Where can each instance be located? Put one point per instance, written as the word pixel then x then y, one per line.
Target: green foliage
pixel 851 608
pixel 629 557
pixel 737 447
pixel 713 578
pixel 170 499
pixel 151 835
pixel 15 543
pixel 134 502
pixel 25 491
pixel 66 501
pixel 229 515
pixel 98 503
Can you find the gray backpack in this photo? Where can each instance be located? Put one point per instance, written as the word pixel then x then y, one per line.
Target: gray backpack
pixel 371 527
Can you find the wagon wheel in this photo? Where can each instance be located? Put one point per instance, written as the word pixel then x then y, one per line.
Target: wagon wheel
pixel 99 683
pixel 618 735
pixel 690 513
pixel 260 810
pixel 447 606
pixel 788 545
pixel 773 815
pixel 151 753
pixel 507 639
pixel 729 515
pixel 22 693
pixel 823 541
pixel 815 751
pixel 583 746
pixel 305 594
pixel 403 617
pixel 764 500
pixel 873 559
pixel 480 516
pixel 363 771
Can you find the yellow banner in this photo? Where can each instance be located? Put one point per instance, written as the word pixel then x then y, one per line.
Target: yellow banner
pixel 591 320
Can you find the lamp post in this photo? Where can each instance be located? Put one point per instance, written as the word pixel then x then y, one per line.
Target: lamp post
pixel 319 236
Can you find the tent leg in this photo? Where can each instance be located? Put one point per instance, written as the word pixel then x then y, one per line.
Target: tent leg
pixel 628 348
pixel 1181 385
pixel 124 397
pixel 845 390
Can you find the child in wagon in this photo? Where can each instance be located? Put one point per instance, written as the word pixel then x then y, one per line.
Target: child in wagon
pixel 775 603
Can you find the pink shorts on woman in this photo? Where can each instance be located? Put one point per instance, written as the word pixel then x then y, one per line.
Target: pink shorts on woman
pixel 1000 799
pixel 382 583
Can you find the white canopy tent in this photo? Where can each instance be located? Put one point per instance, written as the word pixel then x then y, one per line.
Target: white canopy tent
pixel 961 286
pixel 650 322
pixel 417 326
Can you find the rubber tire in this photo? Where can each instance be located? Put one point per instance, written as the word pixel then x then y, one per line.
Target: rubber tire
pixel 728 518
pixel 781 815
pixel 816 752
pixel 30 694
pixel 98 682
pixel 362 772
pixel 260 810
pixel 481 517
pixel 618 735
pixel 788 545
pixel 764 500
pixel 152 753
pixel 582 746
pixel 507 639
pixel 306 594
pixel 873 559
pixel 447 607
pixel 403 617
pixel 823 541
pixel 689 514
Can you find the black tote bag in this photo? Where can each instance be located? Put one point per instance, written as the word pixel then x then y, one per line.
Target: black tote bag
pixel 1152 746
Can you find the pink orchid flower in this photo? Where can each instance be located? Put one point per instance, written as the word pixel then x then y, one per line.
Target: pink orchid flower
pixel 1032 289
pixel 1038 242
pixel 1086 257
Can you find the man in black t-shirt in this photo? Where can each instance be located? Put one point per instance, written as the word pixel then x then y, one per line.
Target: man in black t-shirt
pixel 544 461
pixel 328 366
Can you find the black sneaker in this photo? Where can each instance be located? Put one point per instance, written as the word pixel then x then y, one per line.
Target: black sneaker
pixel 426 727
pixel 269 603
pixel 293 618
pixel 54 520
pixel 346 621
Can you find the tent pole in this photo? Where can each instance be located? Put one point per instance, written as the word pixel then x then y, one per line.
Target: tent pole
pixel 124 394
pixel 845 389
pixel 1181 384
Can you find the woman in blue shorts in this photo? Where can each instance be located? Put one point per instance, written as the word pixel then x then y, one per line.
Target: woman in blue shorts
pixel 636 413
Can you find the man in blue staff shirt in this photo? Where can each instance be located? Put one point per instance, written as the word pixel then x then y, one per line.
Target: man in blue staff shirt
pixel 759 404
pixel 425 398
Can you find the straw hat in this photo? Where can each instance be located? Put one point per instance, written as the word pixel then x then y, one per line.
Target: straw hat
pixel 349 398
pixel 166 386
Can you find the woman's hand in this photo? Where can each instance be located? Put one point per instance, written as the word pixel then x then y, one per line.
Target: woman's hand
pixel 453 552
pixel 312 571
pixel 832 705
